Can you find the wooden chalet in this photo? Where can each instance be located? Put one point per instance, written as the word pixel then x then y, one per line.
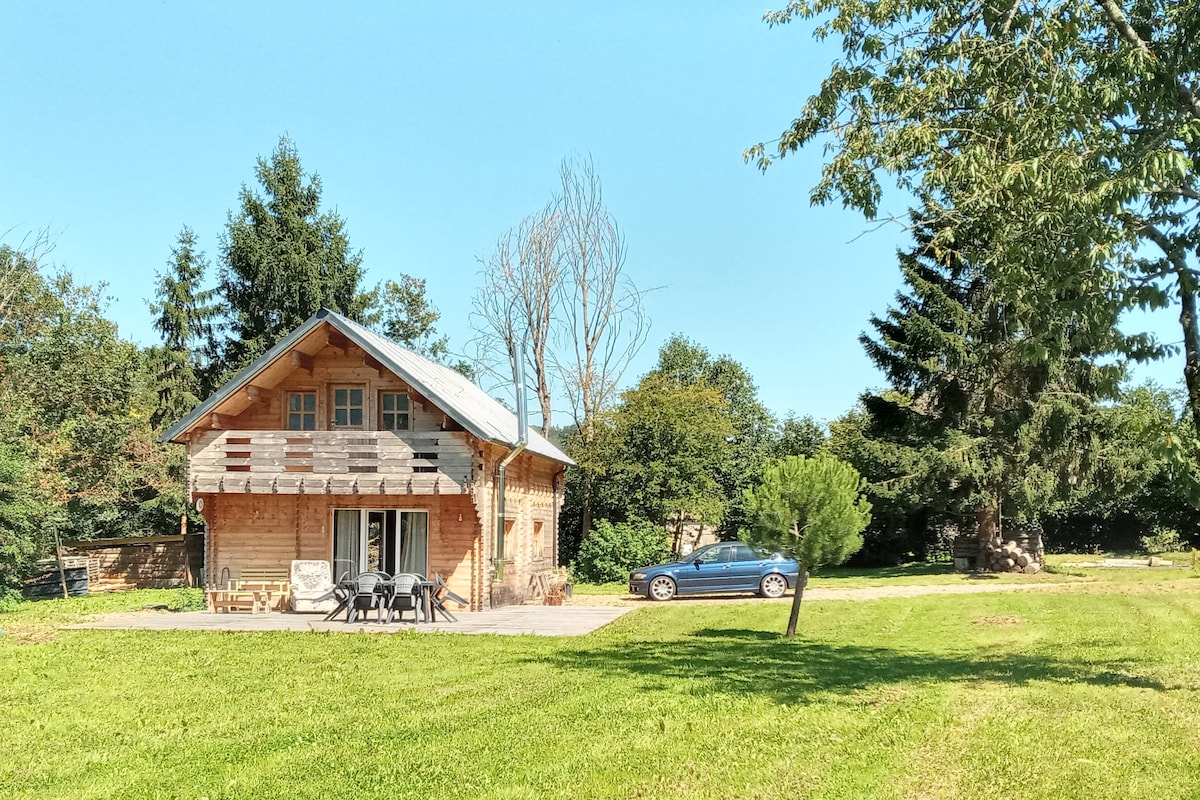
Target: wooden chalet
pixel 340 445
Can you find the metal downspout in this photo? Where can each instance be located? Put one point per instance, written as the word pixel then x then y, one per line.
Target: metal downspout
pixel 522 442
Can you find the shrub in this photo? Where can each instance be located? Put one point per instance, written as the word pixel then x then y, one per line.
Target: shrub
pixel 612 551
pixel 1163 540
pixel 185 599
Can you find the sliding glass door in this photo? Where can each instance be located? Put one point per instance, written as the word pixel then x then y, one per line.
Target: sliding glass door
pixel 413 553
pixel 383 540
pixel 347 543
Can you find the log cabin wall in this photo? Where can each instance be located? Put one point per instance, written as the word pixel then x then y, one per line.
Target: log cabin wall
pixel 265 531
pixel 269 492
pixel 531 506
pixel 154 562
pixel 254 452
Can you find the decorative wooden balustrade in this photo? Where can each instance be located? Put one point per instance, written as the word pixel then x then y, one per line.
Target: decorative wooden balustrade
pixel 331 462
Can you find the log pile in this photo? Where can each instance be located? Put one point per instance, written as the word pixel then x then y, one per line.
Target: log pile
pixel 1011 557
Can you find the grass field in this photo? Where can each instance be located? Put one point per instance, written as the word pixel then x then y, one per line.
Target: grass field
pixel 1088 692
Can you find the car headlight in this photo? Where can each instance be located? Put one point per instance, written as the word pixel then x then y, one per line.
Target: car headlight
pixel 638 576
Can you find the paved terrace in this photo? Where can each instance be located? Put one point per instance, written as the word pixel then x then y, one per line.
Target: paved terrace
pixel 510 620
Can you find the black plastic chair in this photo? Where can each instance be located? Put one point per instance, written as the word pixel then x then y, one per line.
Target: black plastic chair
pixel 345 577
pixel 438 597
pixel 368 593
pixel 406 596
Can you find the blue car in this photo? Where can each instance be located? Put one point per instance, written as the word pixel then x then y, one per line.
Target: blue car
pixel 721 567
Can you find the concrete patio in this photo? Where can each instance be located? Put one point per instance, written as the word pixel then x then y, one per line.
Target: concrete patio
pixel 509 620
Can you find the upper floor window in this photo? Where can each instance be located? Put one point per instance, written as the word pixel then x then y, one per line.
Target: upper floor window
pixel 302 411
pixel 347 407
pixel 393 411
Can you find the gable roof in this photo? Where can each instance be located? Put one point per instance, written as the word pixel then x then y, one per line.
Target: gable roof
pixel 449 390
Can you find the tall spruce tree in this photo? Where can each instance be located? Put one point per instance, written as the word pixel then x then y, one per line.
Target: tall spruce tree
pixel 184 314
pixel 283 259
pixel 988 419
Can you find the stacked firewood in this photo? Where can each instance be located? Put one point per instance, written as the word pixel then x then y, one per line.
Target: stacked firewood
pixel 1010 557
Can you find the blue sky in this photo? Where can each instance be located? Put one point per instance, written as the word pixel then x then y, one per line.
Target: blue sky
pixel 434 128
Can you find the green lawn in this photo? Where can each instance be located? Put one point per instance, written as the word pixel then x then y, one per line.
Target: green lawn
pixel 852 578
pixel 1085 693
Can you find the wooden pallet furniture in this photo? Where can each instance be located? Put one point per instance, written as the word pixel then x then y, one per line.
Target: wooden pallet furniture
pixel 274 585
pixel 255 590
pixel 225 600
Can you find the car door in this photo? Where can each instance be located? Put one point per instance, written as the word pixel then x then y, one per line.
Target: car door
pixel 704 571
pixel 745 568
pixel 715 570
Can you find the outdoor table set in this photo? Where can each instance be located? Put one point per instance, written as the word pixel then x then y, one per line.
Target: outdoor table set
pixel 393 595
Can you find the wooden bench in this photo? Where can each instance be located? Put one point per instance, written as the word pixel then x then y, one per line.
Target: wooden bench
pixel 274 584
pixel 225 600
pixel 254 590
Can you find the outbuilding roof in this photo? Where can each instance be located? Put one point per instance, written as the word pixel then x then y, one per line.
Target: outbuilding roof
pixel 449 390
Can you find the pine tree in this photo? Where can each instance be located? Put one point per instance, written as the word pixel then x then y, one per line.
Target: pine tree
pixel 809 509
pixel 184 314
pixel 284 259
pixel 987 413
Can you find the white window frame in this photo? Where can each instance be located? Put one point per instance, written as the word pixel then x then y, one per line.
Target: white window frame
pixel 363 518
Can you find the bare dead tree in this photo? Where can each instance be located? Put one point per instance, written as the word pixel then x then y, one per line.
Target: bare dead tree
pixel 516 303
pixel 557 282
pixel 18 265
pixel 602 321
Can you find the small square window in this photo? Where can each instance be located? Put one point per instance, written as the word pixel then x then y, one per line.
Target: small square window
pixel 302 411
pixel 347 408
pixel 393 411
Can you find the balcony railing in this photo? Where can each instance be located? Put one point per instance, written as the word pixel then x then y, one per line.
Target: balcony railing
pixel 339 462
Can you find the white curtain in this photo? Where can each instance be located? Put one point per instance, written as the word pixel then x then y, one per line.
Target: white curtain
pixel 414 541
pixel 345 541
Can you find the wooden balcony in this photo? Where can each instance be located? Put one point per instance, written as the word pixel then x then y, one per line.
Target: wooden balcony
pixel 331 462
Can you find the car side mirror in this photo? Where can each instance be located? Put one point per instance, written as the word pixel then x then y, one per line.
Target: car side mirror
pixel 696 563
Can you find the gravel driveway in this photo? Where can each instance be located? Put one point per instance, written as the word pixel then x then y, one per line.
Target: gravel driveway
pixel 863 593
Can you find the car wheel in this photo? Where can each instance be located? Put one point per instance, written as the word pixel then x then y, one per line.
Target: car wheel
pixel 773 585
pixel 661 588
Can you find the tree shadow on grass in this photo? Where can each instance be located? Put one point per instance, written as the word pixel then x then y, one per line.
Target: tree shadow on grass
pixel 762 663
pixel 917 568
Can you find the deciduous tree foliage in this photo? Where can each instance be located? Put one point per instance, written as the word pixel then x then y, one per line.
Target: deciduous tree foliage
pixel 1070 128
pixel 809 509
pixel 410 319
pixel 671 443
pixel 1136 489
pixel 78 454
pixel 798 436
pixel 615 549
pixel 678 449
pixel 685 363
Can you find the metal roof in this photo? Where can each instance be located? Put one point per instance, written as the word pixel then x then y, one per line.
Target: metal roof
pixel 449 390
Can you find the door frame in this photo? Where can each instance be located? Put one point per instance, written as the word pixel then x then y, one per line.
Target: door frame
pixel 363 526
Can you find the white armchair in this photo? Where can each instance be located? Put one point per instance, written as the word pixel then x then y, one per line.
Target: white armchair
pixel 312 587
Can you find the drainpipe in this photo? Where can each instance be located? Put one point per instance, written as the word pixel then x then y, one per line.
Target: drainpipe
pixel 522 441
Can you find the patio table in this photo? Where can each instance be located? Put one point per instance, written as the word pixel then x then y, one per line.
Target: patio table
pixel 344 591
